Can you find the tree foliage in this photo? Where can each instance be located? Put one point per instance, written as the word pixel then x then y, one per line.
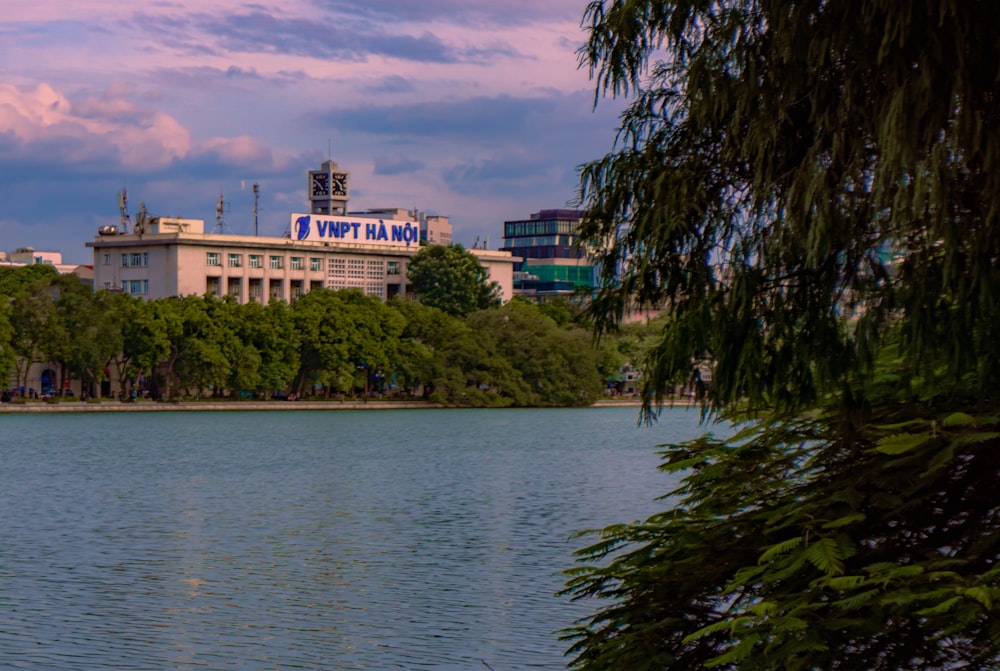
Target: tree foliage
pixel 451 279
pixel 787 163
pixel 559 366
pixel 325 343
pixel 810 190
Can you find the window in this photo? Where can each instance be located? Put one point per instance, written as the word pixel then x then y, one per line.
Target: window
pixel 315 264
pixel 235 260
pixel 234 288
pixel 124 260
pixel 213 259
pixel 256 289
pixel 295 263
pixel 277 262
pixel 274 289
pixel 356 268
pixel 136 287
pixel 107 259
pixel 213 285
pixel 256 261
pixel 392 268
pixel 139 259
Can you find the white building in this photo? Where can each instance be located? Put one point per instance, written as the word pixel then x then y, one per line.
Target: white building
pixel 29 256
pixel 327 248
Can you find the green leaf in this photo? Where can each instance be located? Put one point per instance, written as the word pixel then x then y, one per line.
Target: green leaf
pixel 845 581
pixel 778 549
pixel 826 556
pixel 856 601
pixel 941 608
pixel 901 442
pixel 980 594
pixel 729 625
pixel 958 419
pixel 844 521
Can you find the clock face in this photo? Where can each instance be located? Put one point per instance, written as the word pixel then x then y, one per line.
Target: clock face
pixel 319 183
pixel 339 184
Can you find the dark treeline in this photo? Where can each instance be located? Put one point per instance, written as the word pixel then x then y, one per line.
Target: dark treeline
pixel 326 344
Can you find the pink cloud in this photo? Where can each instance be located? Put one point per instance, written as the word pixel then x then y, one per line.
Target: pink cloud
pixel 141 138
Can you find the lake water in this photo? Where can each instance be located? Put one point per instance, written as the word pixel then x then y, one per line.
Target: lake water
pixel 309 540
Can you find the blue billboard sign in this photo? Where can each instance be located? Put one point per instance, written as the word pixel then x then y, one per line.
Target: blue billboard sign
pixel 355 230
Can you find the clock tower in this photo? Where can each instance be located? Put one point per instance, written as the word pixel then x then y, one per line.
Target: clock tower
pixel 329 189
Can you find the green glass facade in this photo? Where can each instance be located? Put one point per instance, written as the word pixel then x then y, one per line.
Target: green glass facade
pixel 549 235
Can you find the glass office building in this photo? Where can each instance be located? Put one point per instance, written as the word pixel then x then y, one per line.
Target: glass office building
pixel 551 263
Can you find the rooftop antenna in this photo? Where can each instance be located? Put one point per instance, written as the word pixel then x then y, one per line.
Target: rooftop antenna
pixel 123 208
pixel 141 217
pixel 220 225
pixel 256 195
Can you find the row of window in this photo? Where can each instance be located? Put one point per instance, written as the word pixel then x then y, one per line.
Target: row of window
pixel 133 287
pixel 513 229
pixel 359 269
pixel 543 240
pixel 549 252
pixel 132 260
pixel 257 261
pixel 234 288
pixel 356 266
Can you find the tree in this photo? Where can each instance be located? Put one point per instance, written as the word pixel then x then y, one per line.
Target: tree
pixel 93 326
pixel 458 363
pixel 345 338
pixel 451 279
pixel 39 332
pixel 8 357
pixel 200 342
pixel 15 279
pixel 144 337
pixel 270 331
pixel 560 366
pixel 810 191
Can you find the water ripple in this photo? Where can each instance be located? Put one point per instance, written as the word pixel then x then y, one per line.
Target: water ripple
pixel 397 540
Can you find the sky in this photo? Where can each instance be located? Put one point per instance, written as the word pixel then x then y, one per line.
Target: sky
pixel 473 109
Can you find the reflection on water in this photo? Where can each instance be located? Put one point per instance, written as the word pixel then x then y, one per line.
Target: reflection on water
pixel 296 540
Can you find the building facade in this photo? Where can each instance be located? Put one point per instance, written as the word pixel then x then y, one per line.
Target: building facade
pixel 325 248
pixel 29 256
pixel 550 263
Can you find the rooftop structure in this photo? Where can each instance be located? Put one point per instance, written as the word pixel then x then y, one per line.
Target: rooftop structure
pixel 327 247
pixel 551 263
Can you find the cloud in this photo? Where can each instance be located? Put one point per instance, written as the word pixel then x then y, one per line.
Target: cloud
pixel 510 173
pixel 390 84
pixel 462 12
pixel 397 164
pixel 43 122
pixel 456 119
pixel 557 126
pixel 220 157
pixel 261 32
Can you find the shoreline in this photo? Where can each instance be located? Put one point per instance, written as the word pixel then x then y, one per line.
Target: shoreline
pixel 66 407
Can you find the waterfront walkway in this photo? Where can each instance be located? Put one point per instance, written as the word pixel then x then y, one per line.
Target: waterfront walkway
pixel 232 406
pixel 207 406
